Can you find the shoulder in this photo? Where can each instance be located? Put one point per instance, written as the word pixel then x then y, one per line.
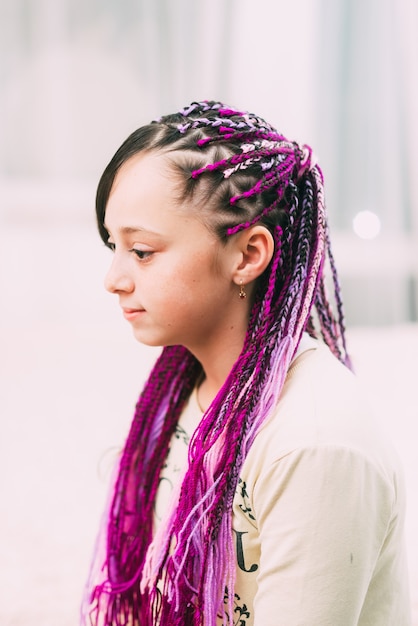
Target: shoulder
pixel 322 403
pixel 323 415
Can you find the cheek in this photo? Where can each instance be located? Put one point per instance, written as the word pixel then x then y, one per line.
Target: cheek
pixel 186 297
pixel 182 276
pixel 185 281
pixel 171 291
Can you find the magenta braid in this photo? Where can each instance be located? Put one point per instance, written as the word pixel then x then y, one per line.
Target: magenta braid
pixel 154 421
pixel 250 173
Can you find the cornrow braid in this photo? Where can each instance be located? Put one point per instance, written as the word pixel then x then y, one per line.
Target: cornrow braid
pixel 237 170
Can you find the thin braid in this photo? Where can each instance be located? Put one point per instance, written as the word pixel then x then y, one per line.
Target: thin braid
pixel 186 573
pixel 339 303
pixel 227 134
pixel 257 218
pixel 238 160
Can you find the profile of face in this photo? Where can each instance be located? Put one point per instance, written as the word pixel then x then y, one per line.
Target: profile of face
pixel 177 282
pixel 205 200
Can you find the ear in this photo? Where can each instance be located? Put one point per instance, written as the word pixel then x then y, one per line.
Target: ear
pixel 256 247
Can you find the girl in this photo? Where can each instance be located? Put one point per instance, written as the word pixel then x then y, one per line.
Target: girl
pixel 254 488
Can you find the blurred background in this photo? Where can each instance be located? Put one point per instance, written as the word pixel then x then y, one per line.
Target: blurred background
pixel 76 77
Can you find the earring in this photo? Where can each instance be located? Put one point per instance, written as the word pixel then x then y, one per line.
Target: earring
pixel 242 293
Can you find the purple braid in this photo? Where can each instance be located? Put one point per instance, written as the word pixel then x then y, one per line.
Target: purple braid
pixel 238 171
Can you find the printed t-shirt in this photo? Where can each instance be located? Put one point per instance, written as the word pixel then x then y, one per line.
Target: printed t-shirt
pixel 319 508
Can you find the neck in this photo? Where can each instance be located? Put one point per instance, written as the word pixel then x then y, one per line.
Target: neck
pixel 217 363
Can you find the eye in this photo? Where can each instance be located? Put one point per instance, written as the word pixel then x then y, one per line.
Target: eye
pixel 143 255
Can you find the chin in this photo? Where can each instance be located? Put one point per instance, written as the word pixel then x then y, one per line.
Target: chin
pixel 148 339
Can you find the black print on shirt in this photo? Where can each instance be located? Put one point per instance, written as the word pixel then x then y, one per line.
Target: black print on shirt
pixel 180 433
pixel 245 507
pixel 240 553
pixel 241 612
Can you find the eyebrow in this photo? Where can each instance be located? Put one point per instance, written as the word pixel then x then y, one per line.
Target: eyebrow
pixel 129 230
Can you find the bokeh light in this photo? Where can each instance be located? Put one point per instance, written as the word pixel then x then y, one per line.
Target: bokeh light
pixel 366 225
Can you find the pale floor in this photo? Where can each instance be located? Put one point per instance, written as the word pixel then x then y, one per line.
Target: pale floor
pixel 70 375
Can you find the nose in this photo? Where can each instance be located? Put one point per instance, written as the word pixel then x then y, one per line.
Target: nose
pixel 118 278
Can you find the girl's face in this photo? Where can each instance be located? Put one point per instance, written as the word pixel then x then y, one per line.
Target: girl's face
pixel 173 277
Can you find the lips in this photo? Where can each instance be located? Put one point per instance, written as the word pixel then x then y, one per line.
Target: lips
pixel 132 314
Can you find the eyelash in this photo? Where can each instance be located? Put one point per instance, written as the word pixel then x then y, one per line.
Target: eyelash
pixel 142 255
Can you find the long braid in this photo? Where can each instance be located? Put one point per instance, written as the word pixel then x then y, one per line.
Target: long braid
pixel 154 421
pixel 186 573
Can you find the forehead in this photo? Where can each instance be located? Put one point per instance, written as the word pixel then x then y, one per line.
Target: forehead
pixel 143 172
pixel 145 196
pixel 145 181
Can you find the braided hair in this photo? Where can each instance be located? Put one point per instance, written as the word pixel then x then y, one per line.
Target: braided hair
pixel 238 171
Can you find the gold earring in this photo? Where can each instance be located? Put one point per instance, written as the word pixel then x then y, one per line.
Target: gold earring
pixel 242 293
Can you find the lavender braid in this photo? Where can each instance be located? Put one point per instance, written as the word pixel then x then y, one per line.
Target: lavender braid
pixel 246 172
